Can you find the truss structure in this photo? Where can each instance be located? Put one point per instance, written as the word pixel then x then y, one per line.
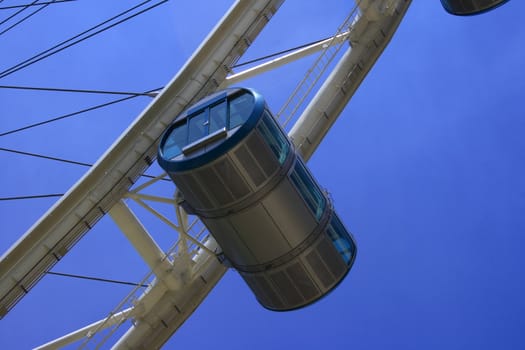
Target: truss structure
pixel 181 278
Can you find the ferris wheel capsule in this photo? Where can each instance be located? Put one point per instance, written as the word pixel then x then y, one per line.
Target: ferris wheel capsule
pixel 470 7
pixel 240 174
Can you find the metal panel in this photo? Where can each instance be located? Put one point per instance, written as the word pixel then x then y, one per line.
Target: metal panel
pixel 262 153
pixel 194 192
pixel 296 221
pixel 213 186
pixel 303 282
pixel 237 250
pixel 287 289
pixel 319 268
pixel 264 291
pixel 331 258
pixel 265 238
pixel 232 179
pixel 250 165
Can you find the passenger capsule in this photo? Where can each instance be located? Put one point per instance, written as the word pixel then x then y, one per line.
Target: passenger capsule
pixel 239 173
pixel 470 7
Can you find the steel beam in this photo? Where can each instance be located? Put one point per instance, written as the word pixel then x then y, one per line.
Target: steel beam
pixel 369 35
pixel 148 249
pixel 75 213
pixel 283 60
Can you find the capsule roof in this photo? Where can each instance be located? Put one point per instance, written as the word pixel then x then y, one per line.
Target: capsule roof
pixel 209 129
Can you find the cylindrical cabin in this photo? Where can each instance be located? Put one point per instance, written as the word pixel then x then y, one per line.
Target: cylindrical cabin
pixel 237 170
pixel 470 7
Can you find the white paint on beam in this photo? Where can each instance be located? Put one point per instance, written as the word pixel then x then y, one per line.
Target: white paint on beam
pixel 58 230
pixel 369 36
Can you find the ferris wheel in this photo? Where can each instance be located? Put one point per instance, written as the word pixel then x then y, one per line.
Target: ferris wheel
pixel 244 197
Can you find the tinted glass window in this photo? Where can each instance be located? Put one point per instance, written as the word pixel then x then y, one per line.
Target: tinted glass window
pixel 218 116
pixel 198 126
pixel 175 142
pixel 224 114
pixel 274 137
pixel 241 108
pixel 341 239
pixel 309 190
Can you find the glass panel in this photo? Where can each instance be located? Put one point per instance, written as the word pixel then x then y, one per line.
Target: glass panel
pixel 309 190
pixel 175 141
pixel 275 138
pixel 218 117
pixel 340 239
pixel 198 126
pixel 241 107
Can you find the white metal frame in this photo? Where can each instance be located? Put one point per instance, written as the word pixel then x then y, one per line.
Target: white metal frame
pixel 181 278
pixel 53 235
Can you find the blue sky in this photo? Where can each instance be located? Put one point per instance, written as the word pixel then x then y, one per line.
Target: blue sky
pixel 425 167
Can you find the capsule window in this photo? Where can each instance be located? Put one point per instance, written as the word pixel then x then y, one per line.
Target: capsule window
pixel 308 189
pixel 340 239
pixel 274 137
pixel 218 117
pixel 175 141
pixel 241 108
pixel 198 126
pixel 225 114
